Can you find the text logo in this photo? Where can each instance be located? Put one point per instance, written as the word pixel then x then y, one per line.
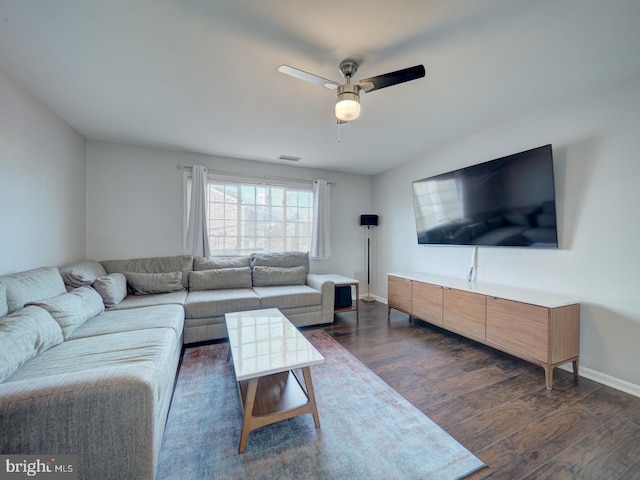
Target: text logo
pixel 45 467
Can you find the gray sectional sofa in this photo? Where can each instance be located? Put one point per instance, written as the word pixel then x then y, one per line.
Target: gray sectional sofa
pixel 89 352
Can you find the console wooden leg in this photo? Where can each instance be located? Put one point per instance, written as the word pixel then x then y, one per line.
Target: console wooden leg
pixel 575 368
pixel 548 376
pixel 248 413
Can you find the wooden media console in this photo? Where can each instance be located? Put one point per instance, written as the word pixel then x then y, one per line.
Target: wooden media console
pixel 537 327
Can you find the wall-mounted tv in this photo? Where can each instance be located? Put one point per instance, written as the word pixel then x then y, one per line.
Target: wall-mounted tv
pixel 509 202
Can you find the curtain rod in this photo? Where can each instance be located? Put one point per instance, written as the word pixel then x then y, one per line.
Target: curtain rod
pixel 259 177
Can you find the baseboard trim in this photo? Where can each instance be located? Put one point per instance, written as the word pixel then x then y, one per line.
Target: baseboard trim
pixel 378 299
pixel 608 380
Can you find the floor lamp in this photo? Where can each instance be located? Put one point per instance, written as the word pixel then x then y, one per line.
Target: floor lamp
pixel 368 221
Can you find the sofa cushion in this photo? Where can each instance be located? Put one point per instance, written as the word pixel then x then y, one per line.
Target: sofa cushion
pixel 151 283
pixel 132 320
pixel 112 288
pixel 138 301
pixel 149 349
pixel 220 278
pixel 23 335
pixel 201 263
pixel 290 296
pixel 72 309
pixel 280 259
pixel 183 263
pixel 271 276
pixel 32 286
pixel 214 303
pixel 81 274
pixel 4 308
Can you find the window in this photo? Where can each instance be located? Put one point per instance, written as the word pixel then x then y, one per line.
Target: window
pixel 247 217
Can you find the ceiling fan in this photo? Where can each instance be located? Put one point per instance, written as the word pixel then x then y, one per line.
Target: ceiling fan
pixel 348 98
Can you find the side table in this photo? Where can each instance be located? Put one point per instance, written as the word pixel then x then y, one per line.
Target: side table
pixel 341 281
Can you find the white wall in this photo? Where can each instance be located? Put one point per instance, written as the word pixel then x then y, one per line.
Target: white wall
pixel 596 145
pixel 42 184
pixel 135 203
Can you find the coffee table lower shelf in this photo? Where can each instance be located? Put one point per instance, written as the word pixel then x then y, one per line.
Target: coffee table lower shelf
pixel 272 398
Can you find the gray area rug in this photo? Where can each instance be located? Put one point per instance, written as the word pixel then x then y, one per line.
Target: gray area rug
pixel 367 430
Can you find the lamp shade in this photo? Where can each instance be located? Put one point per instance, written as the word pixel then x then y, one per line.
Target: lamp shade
pixel 369 220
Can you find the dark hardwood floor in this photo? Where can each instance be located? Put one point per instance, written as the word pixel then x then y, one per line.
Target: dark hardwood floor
pixel 496 405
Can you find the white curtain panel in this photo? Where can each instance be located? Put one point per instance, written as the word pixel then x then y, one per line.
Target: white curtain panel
pixel 321 235
pixel 197 242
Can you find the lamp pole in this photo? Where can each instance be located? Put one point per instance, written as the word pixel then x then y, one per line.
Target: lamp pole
pixel 368 298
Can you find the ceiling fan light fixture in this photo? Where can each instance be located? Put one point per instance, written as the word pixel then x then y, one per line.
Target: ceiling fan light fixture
pixel 347 103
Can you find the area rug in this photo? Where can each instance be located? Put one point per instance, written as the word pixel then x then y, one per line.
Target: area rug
pixel 367 430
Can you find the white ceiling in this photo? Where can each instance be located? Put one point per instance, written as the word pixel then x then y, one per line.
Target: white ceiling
pixel 201 75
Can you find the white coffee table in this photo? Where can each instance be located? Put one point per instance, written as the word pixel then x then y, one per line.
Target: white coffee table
pixel 266 349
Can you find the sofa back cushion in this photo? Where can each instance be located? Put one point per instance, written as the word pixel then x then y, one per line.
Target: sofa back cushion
pixel 182 263
pixel 32 286
pixel 272 276
pixel 280 259
pixel 112 288
pixel 151 283
pixel 74 308
pixel 23 335
pixel 202 263
pixel 220 278
pixel 81 274
pixel 4 308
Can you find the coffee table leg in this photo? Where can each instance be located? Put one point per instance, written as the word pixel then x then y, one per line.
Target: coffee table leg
pixel 248 413
pixel 306 372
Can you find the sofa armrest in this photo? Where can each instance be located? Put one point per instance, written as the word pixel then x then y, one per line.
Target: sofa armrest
pixel 328 290
pixel 105 416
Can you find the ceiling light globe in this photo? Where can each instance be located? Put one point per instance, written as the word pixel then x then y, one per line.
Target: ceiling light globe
pixel 347 103
pixel 347 110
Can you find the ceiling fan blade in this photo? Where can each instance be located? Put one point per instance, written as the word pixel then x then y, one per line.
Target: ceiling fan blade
pixel 392 78
pixel 308 77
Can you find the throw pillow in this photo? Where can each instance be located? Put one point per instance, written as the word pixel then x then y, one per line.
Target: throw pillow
pixel 112 288
pixel 151 283
pixel 178 263
pixel 31 286
pixel 280 259
pixel 74 308
pixel 81 274
pixel 271 276
pixel 23 335
pixel 4 308
pixel 201 263
pixel 220 278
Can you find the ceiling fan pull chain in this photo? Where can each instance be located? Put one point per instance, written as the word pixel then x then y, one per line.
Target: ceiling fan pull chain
pixel 339 139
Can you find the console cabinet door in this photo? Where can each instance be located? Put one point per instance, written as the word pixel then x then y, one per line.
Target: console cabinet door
pixel 399 294
pixel 518 328
pixel 465 313
pixel 426 302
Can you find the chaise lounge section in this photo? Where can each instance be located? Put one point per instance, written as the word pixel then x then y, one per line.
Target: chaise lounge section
pixel 77 380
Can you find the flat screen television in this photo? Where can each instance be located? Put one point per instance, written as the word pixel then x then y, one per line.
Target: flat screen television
pixel 507 202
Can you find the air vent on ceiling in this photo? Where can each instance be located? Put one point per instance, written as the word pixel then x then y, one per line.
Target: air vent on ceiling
pixel 289 158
